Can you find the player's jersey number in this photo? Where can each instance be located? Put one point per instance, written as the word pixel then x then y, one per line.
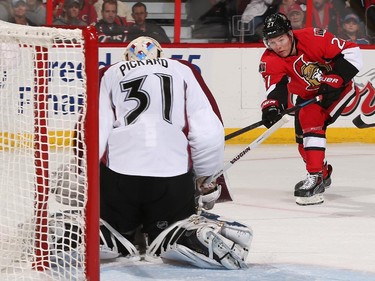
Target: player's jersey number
pixel 134 91
pixel 340 43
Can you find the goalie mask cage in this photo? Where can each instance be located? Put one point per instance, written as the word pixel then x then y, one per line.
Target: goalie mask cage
pixel 49 202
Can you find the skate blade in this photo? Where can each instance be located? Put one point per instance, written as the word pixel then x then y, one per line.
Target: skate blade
pixel 313 200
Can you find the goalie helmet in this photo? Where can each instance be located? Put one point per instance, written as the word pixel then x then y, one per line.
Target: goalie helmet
pixel 274 26
pixel 143 48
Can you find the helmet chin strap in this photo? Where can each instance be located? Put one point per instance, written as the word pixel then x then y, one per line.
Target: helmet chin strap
pixel 290 33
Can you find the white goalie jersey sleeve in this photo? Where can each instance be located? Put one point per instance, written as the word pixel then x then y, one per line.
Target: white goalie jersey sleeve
pixel 156 120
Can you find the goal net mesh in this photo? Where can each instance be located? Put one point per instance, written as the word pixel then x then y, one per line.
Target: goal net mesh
pixel 42 163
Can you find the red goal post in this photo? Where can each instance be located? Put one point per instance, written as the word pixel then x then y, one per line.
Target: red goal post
pixel 49 218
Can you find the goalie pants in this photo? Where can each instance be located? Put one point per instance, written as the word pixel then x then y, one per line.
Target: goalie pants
pixel 153 203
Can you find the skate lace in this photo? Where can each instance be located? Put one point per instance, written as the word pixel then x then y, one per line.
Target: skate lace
pixel 310 181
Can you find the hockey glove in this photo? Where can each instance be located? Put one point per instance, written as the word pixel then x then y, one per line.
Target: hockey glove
pixel 208 192
pixel 68 184
pixel 330 88
pixel 271 112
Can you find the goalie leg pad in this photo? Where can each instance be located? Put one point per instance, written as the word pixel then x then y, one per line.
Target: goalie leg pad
pixel 233 230
pixel 64 237
pixel 183 254
pixel 68 185
pixel 203 243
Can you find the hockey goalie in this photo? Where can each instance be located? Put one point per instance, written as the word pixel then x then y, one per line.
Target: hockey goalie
pixel 161 138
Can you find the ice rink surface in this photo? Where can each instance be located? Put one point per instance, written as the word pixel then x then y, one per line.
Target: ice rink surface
pixel 334 241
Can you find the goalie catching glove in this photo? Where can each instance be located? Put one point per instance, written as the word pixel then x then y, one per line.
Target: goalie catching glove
pixel 271 112
pixel 205 241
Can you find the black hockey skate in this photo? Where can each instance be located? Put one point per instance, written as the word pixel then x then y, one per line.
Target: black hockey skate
pixel 311 192
pixel 326 180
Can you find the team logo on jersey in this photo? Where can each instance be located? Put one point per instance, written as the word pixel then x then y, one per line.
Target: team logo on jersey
pixel 319 32
pixel 262 67
pixel 311 72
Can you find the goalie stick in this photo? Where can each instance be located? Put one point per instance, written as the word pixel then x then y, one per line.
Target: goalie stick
pixel 260 123
pixel 359 123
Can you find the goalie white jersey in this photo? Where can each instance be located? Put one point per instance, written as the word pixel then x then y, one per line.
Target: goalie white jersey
pixel 157 119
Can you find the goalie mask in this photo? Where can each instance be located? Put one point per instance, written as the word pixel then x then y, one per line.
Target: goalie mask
pixel 143 48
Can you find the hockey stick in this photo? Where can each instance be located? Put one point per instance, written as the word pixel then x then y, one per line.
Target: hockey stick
pixel 359 123
pixel 260 123
pixel 251 146
pixel 244 130
pixel 215 176
pixel 254 144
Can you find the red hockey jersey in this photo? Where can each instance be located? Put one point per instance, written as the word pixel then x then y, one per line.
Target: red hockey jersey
pixel 316 49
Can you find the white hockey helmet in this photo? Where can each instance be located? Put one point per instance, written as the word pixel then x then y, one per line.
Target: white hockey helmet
pixel 143 48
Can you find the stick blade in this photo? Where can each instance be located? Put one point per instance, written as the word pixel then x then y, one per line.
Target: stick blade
pixel 225 195
pixel 359 123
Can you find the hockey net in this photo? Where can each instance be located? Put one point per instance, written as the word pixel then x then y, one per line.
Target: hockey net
pixel 48 181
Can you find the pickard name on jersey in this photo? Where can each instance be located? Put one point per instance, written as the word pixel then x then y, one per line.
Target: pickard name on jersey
pixel 133 64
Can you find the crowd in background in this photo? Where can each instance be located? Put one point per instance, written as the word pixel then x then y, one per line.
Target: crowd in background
pixel 346 19
pixel 115 20
pixel 228 20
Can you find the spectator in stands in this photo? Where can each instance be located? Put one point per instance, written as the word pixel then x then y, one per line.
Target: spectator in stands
pixel 87 12
pixel 296 16
pixel 5 13
pixel 19 13
pixel 325 16
pixel 255 10
pixel 254 15
pixel 143 27
pixel 36 12
pixel 351 30
pixel 70 14
pixel 285 6
pixel 111 28
pixel 58 6
pixel 123 10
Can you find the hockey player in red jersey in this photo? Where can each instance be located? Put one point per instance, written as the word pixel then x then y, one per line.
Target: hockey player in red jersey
pixel 161 138
pixel 306 63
